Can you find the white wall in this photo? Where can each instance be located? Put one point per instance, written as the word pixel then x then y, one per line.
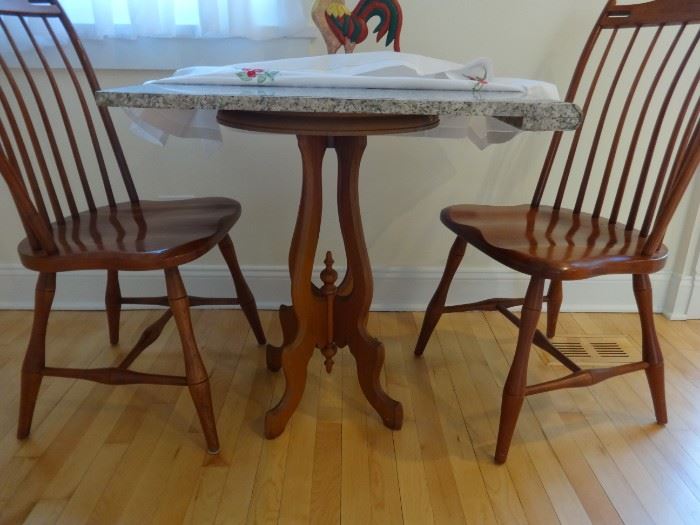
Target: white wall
pixel 405 183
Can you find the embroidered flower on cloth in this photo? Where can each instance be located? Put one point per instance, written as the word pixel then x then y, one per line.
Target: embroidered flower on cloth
pixel 260 75
pixel 480 81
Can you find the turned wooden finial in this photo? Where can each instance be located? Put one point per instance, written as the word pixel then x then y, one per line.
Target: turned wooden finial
pixel 329 351
pixel 329 277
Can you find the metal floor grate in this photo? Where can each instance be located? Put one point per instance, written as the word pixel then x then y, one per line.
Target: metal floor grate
pixel 595 351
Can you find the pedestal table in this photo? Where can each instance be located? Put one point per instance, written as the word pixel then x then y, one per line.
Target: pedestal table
pixel 335 315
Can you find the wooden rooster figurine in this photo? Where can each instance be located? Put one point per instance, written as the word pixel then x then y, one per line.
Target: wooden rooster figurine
pixel 341 27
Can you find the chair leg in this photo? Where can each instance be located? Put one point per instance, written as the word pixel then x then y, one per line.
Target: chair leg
pixel 245 296
pixel 555 297
pixel 514 389
pixel 35 358
pixel 113 305
pixel 197 377
pixel 651 350
pixel 437 303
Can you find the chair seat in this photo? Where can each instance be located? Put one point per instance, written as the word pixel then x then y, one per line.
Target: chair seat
pixel 148 236
pixel 554 244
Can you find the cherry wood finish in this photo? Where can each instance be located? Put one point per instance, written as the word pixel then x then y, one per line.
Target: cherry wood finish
pixel 46 164
pixel 557 244
pixel 435 472
pixel 335 315
pixel 328 124
pixel 196 373
pixel 161 234
pixel 561 244
pixel 555 297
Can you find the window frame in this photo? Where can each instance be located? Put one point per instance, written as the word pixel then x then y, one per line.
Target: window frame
pixel 174 53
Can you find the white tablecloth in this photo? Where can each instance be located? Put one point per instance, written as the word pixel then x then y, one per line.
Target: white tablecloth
pixel 379 70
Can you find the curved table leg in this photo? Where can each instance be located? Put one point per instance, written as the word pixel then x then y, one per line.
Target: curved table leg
pixel 288 320
pixel 295 359
pixel 295 354
pixel 369 356
pixel 353 308
pixel 329 317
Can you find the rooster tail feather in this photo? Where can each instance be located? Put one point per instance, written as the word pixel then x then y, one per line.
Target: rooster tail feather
pixel 390 19
pixel 347 28
pixel 336 25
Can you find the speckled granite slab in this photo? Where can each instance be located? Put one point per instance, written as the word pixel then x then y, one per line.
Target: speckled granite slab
pixel 537 115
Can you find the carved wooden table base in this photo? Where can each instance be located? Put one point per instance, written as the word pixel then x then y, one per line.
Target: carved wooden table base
pixel 333 316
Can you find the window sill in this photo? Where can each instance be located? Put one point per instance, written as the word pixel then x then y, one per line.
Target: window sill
pixel 174 53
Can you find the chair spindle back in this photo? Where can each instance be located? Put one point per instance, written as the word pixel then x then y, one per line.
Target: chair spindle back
pixel 42 158
pixel 650 108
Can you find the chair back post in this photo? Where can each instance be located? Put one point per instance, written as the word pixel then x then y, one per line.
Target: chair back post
pixel 671 23
pixel 687 169
pixel 38 233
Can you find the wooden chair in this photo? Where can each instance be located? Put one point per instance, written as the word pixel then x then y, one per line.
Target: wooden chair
pixel 48 154
pixel 559 244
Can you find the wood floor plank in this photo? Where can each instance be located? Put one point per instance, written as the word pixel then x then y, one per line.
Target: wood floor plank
pixel 58 398
pixel 416 504
pixel 141 489
pixel 536 502
pixel 243 444
pixel 203 507
pixel 110 506
pixel 612 480
pixel 642 482
pixel 295 504
pixel 56 449
pixel 385 494
pixel 554 480
pixel 441 356
pixel 45 511
pixel 630 396
pixel 30 489
pixel 622 450
pixel 471 372
pixel 597 482
pixel 326 490
pixel 225 343
pixel 86 495
pixel 355 492
pixel 442 486
pixel 269 479
pixel 140 426
pixel 101 454
pixel 643 459
pixel 621 404
pixel 152 487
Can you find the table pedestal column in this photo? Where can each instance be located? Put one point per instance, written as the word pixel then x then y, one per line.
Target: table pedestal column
pixel 330 317
pixel 333 316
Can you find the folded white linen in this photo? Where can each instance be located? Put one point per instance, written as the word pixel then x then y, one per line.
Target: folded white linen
pixel 379 70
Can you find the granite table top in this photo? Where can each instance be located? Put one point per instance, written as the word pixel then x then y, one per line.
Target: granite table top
pixel 531 114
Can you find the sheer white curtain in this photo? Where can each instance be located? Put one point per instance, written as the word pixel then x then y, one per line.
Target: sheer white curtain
pixel 254 19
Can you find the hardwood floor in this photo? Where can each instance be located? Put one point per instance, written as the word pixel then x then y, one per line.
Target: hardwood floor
pixel 101 454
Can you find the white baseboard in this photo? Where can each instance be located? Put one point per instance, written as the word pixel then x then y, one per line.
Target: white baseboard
pixel 395 288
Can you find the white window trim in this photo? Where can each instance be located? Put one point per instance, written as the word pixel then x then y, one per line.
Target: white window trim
pixel 174 53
